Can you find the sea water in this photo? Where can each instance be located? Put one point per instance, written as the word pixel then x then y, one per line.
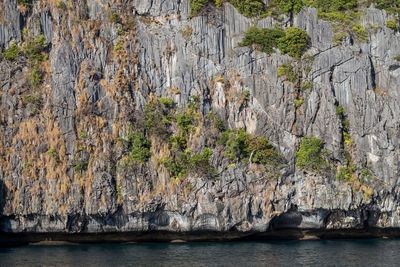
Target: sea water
pixel 374 252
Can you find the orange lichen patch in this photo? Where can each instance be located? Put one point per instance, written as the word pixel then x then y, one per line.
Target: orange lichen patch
pixel 28 133
pixel 82 102
pixel 234 76
pixel 195 135
pixel 380 91
pixel 174 90
pixel 46 69
pixel 116 129
pixel 63 209
pixel 149 20
pixel 23 9
pixel 368 192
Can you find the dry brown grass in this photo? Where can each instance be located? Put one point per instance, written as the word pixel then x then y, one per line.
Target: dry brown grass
pixel 379 91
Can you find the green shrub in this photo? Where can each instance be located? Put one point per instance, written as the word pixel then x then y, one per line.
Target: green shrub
pixel 218 3
pixel 183 163
pixel 236 144
pixel 35 78
pixel 262 152
pixel 12 52
pixel 83 134
pixel 34 49
pixel 298 102
pixel 33 99
pixel 345 173
pixel 25 2
pixel 197 5
pixel 310 154
pixel 397 58
pixel 332 5
pixel 392 24
pixel 167 102
pixel 244 96
pixel 286 6
pixel 265 39
pixel 81 166
pixel 360 32
pixel 158 118
pixel 306 85
pixel 365 174
pixel 340 112
pixel 185 121
pixel 391 6
pixel 343 19
pixel 339 37
pixel 139 148
pixel 61 5
pixel 119 45
pixel 241 146
pixel 249 8
pixel 175 167
pixel 178 142
pixel 294 43
pixel 52 152
pixel 216 121
pixel 287 71
pixel 115 18
pixel 200 163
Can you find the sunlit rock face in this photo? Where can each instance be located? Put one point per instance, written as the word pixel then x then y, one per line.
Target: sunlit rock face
pixel 64 137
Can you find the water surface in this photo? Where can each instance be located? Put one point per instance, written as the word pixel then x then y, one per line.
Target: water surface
pixel 283 253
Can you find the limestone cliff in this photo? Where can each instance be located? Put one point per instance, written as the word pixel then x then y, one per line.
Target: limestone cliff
pixel 112 112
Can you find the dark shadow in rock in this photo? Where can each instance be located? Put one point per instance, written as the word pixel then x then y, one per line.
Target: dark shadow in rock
pixel 5 224
pixel 2 196
pixel 286 221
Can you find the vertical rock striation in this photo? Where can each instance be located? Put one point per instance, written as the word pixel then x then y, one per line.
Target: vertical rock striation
pixel 62 143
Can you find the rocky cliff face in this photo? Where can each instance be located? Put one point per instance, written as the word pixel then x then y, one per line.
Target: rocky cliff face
pixel 65 120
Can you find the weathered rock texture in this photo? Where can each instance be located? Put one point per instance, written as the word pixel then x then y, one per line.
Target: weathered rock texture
pixel 97 81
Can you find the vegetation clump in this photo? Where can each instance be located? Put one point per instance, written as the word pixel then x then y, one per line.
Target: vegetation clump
pixel 298 102
pixel 391 6
pixel 287 71
pixel 392 24
pixel 158 115
pixel 139 148
pixel 184 163
pixel 278 7
pixel 197 5
pixel 265 39
pixel 249 8
pixel 345 173
pixel 293 41
pixel 341 113
pixel 310 155
pixel 12 52
pixel 242 146
pixel 25 2
pixel 35 77
pixel 34 49
pixel 360 33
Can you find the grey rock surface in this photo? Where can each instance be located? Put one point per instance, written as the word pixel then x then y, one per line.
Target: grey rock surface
pixel 92 91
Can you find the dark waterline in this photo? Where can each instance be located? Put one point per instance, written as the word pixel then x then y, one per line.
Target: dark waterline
pixel 374 252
